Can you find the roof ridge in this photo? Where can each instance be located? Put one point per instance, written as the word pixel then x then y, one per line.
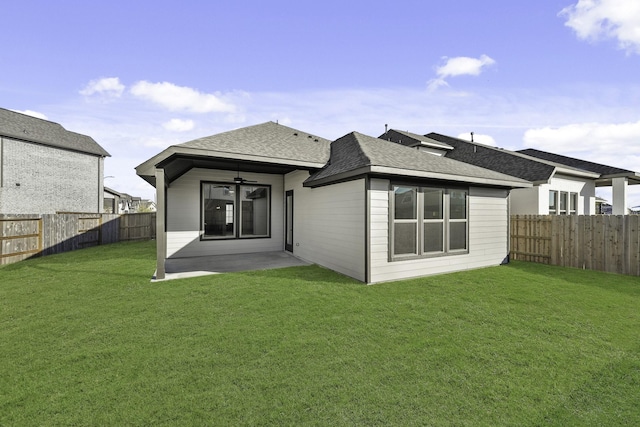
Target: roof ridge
pixel 493 147
pixel 359 145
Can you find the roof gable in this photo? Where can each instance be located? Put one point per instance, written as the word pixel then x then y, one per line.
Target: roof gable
pixel 270 140
pixel 270 147
pixel 27 128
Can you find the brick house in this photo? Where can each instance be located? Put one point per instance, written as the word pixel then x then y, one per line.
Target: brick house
pixel 45 168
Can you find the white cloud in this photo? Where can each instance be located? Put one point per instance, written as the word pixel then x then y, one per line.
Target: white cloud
pixel 606 19
pixel 459 66
pixel 587 137
pixel 434 84
pixel 109 86
pixel 464 65
pixel 32 114
pixel 479 138
pixel 180 98
pixel 179 125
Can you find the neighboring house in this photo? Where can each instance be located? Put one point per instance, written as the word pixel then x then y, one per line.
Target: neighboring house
pixel 603 206
pixel 123 203
pixel 368 208
pixel 112 201
pixel 608 176
pixel 147 206
pixel 45 168
pixel 562 185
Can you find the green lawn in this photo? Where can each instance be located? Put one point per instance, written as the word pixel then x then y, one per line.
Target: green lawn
pixel 87 339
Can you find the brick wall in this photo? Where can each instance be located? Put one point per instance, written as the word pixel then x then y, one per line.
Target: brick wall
pixel 41 179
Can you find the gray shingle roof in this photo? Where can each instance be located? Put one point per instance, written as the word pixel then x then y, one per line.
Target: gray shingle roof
pixel 499 160
pixel 413 139
pixel 23 127
pixel 575 163
pixel 356 152
pixel 269 140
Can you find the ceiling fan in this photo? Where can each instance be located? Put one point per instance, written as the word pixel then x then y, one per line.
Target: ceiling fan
pixel 239 180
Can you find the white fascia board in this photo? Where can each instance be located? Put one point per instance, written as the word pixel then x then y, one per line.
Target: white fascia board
pixel 148 167
pixel 576 172
pixel 633 177
pixel 451 177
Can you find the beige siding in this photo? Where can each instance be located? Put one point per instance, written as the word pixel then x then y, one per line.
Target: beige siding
pixel 329 224
pixel 488 237
pixel 183 216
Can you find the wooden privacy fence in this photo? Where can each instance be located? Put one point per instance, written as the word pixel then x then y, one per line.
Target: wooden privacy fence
pixel 596 242
pixel 25 236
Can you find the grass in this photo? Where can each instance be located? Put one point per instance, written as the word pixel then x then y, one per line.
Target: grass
pixel 86 339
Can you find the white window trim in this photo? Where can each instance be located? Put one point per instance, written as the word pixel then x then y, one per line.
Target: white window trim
pixel 568 197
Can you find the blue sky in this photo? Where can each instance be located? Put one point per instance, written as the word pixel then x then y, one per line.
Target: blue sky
pixel 138 76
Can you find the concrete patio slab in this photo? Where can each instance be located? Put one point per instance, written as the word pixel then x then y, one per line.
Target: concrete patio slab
pixel 180 268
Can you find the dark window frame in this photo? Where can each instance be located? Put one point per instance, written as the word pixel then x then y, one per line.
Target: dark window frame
pixel 237 214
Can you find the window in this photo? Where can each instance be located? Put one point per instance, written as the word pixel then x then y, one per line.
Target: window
pixel 553 202
pixel 231 211
pixel 405 216
pixel 563 203
pixel 573 203
pixel 433 220
pixel 428 221
pixel 457 220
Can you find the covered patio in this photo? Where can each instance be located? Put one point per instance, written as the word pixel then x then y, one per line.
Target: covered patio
pixel 181 268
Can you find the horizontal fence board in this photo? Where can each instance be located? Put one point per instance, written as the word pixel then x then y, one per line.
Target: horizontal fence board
pixel 24 236
pixel 595 242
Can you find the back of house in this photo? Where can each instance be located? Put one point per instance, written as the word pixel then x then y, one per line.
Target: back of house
pixel 369 208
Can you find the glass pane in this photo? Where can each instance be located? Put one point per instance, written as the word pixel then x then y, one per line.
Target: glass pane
pixel 433 237
pixel 404 239
pixel 405 203
pixel 219 205
pixel 553 197
pixel 254 201
pixel 573 201
pixel 458 235
pixel 563 202
pixel 458 204
pixel 432 203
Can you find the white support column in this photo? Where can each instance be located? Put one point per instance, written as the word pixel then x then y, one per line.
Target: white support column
pixel 590 203
pixel 619 196
pixel 161 232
